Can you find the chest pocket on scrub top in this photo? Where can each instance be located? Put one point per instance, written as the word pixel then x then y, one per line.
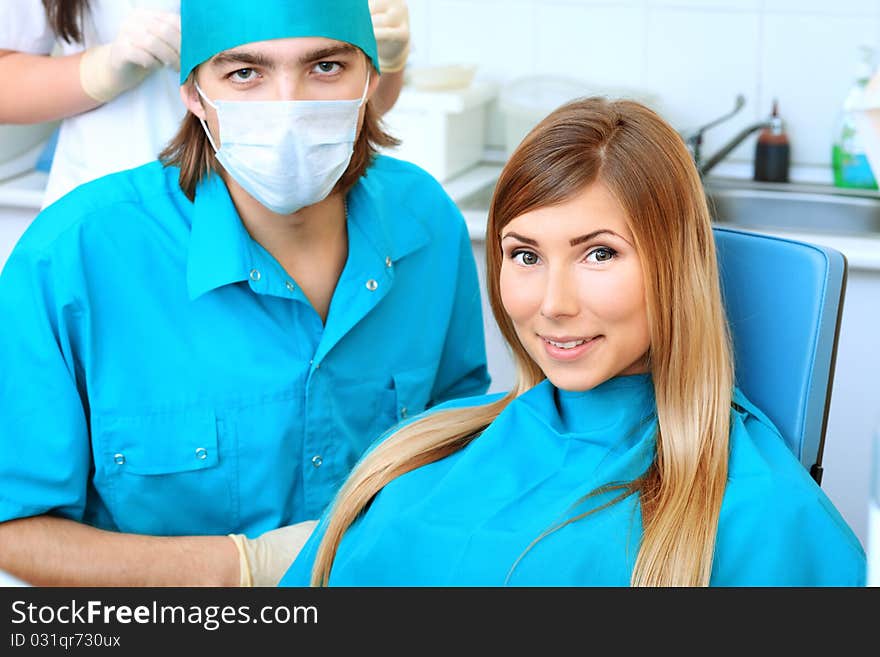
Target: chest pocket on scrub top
pixel 165 474
pixel 413 391
pixel 370 407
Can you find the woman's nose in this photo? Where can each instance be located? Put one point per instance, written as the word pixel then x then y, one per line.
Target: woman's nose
pixel 560 294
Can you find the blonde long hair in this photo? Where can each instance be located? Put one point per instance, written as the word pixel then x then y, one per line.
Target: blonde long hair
pixel 647 167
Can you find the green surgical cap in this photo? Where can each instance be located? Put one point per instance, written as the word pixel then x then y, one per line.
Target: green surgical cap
pixel 211 26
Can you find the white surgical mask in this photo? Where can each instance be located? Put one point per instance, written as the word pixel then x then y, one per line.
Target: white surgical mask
pixel 287 154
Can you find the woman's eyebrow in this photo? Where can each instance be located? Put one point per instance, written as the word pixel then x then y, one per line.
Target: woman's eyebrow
pixel 589 236
pixel 517 236
pixel 572 242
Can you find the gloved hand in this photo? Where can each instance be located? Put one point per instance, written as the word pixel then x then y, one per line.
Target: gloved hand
pixel 147 40
pixel 391 26
pixel 264 560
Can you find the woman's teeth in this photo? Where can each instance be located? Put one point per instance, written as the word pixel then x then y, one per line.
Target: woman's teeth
pixel 566 345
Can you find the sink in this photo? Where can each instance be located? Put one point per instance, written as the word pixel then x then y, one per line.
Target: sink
pixel 791 207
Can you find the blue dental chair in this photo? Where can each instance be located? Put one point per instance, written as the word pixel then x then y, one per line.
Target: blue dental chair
pixel 784 301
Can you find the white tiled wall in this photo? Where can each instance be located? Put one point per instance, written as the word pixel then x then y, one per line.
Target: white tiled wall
pixel 696 55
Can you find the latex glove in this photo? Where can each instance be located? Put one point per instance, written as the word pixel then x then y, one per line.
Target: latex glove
pixel 148 39
pixel 391 26
pixel 264 560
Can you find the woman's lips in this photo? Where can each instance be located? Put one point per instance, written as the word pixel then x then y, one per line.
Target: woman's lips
pixel 568 348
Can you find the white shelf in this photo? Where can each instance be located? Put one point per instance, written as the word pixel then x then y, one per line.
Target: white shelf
pixel 472 180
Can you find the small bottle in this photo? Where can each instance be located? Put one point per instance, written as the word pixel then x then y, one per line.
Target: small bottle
pixel 772 152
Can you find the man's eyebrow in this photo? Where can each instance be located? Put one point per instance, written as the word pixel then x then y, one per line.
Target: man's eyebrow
pixel 240 57
pixel 336 50
pixel 517 236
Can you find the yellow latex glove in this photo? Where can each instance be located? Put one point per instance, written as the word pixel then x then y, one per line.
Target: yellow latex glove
pixel 391 26
pixel 264 560
pixel 148 39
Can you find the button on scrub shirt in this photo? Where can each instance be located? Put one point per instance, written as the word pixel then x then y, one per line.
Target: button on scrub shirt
pixel 465 520
pixel 162 374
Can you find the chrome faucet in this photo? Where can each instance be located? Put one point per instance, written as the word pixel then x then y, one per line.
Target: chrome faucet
pixel 695 140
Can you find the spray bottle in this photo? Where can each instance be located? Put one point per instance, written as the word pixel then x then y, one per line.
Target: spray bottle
pixel 848 160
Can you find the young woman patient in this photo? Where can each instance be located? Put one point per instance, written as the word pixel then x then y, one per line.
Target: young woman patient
pixel 624 455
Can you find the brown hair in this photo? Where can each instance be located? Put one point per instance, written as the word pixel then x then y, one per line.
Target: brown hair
pixel 66 18
pixel 645 164
pixel 647 167
pixel 190 150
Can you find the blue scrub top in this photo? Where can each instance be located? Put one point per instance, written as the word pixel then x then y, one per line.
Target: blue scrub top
pixel 162 374
pixel 465 520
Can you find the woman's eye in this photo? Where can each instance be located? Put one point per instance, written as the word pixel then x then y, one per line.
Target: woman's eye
pixel 601 254
pixel 527 258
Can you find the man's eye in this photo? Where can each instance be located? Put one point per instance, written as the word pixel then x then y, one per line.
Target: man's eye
pixel 243 75
pixel 328 67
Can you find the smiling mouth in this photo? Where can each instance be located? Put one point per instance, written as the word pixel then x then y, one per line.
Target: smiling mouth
pixel 566 342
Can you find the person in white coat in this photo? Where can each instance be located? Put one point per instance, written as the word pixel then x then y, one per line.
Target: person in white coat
pixel 114 83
